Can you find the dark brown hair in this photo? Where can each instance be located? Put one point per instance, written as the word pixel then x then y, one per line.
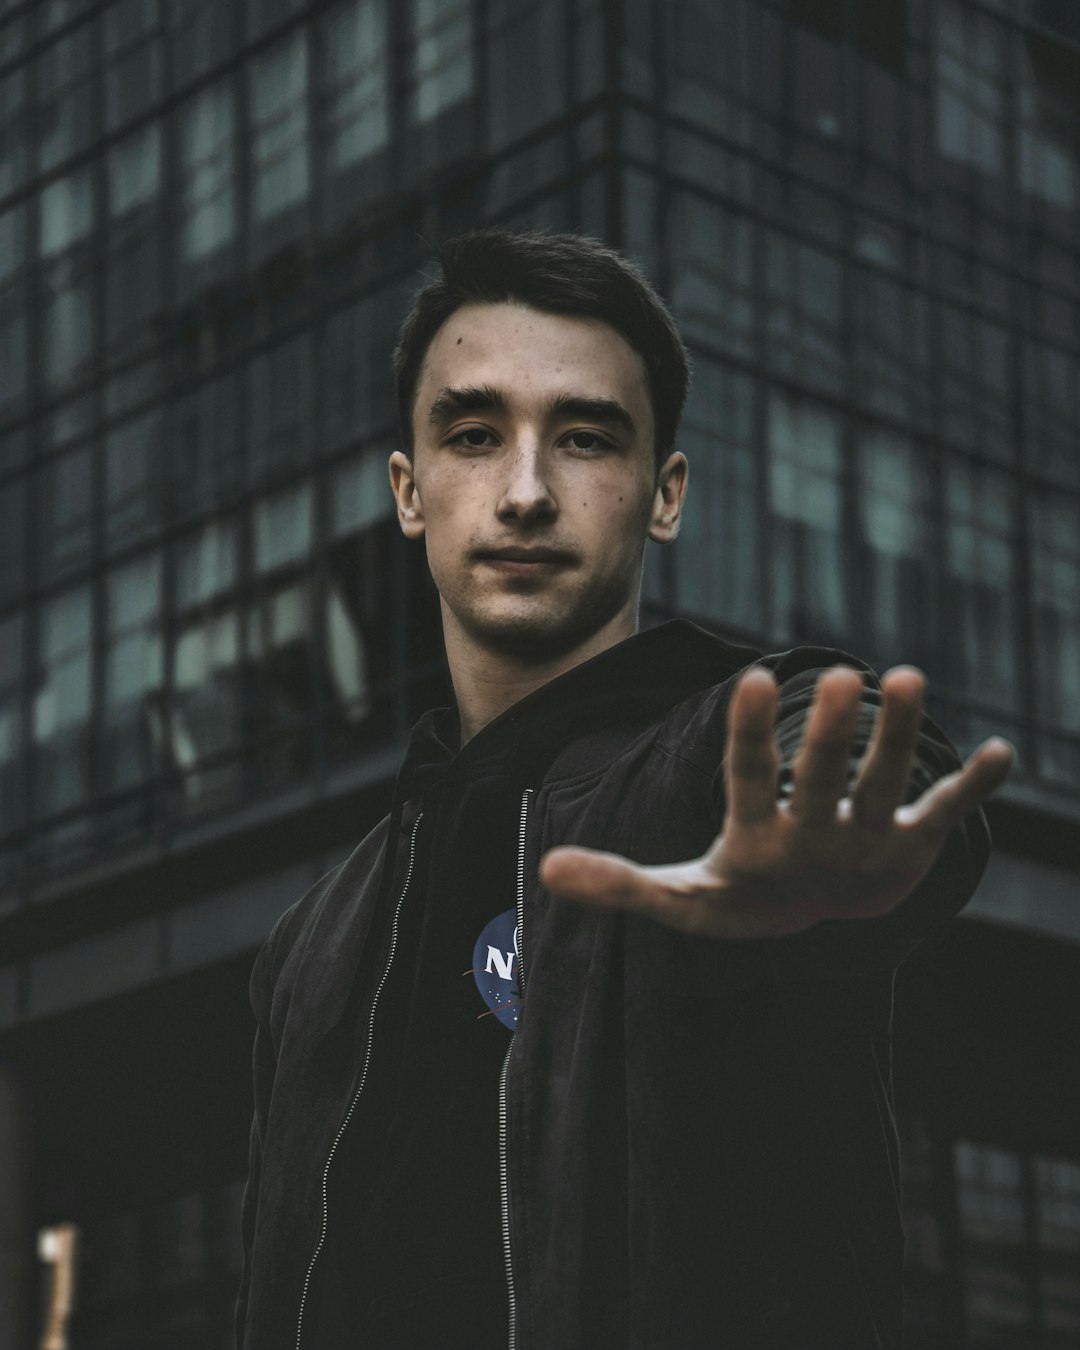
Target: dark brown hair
pixel 560 274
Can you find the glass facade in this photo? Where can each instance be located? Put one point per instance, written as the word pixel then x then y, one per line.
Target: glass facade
pixel 212 217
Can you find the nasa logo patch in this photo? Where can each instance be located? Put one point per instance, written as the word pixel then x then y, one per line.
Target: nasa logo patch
pixel 495 968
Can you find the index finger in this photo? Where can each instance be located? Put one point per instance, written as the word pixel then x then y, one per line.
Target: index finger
pixel 752 763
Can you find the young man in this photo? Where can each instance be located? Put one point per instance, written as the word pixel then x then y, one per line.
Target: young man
pixel 587 1043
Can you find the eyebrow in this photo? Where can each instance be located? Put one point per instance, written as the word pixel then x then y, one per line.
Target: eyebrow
pixel 451 401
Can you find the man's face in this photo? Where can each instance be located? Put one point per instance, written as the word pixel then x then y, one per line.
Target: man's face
pixel 534 435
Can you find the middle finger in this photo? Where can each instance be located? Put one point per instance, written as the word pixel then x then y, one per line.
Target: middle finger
pixel 823 763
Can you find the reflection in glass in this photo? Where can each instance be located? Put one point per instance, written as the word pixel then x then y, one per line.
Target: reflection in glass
pixel 997 1304
pixel 12 538
pixel 64 118
pixel 711 261
pixel 805 493
pixel 359 597
pixel 132 456
pixel 981 559
pixel 12 805
pixel 442 56
pixel 64 512
pixel 204 726
pixel 135 170
pixel 280 398
pixel 207 190
pixel 356 82
pixel 278 111
pixel 67 211
pixel 283 527
pixel 715 556
pixel 61 704
pixel 132 733
pixel 68 332
pixel 970 69
pixel 896 514
pixel 1054 530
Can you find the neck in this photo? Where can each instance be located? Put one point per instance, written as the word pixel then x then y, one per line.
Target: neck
pixel 487 681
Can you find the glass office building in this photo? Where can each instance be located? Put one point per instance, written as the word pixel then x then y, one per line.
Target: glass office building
pixel 214 640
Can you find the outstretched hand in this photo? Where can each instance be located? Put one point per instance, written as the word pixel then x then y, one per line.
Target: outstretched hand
pixel 781 866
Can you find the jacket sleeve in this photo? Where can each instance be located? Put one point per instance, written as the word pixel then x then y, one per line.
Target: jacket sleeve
pixel 862 946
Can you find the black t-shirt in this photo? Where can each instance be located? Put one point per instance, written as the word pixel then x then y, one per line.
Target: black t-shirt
pixel 414 1232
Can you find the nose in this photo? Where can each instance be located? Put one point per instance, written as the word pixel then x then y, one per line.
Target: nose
pixel 526 495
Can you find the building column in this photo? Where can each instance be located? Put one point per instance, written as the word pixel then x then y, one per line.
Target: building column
pixel 18 1256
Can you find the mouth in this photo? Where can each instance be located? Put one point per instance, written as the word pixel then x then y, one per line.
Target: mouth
pixel 524 561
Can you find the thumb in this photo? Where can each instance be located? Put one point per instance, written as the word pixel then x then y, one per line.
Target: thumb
pixel 597 878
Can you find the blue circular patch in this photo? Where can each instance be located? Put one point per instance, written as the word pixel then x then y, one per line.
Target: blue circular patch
pixel 495 967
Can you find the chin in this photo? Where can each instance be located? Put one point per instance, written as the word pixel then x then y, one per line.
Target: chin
pixel 541 634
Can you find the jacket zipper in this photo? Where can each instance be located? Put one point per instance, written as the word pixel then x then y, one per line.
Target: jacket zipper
pixel 504 1169
pixel 363 1073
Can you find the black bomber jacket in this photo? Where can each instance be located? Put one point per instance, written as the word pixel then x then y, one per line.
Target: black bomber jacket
pixel 697 1146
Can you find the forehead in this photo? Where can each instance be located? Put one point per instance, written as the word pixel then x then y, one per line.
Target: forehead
pixel 527 353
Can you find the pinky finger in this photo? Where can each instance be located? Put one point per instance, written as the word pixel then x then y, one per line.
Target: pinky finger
pixel 958 794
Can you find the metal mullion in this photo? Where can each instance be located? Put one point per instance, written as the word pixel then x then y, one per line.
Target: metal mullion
pixel 1032 1264
pixel 668 560
pixel 613 27
pixel 318 570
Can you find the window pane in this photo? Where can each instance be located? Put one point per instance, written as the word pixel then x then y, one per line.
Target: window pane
pixel 283 527
pixel 61 705
pixel 361 493
pixel 205 446
pixel 12 805
pixel 279 127
pixel 1054 530
pixel 896 516
pixel 65 112
pixel 68 332
pixel 134 77
pixel 442 56
pixel 981 559
pixel 67 211
pixel 356 74
pixel 805 503
pixel 715 555
pixel 359 604
pixel 133 672
pixel 12 538
pixel 132 456
pixel 15 131
pixel 12 241
pixel 206 564
pixel 282 415
pixel 527 69
pixel 65 512
pixel 207 172
pixel 712 271
pixel 971 107
pixel 357 397
pixel 204 727
pixel 13 345
pixel 996 1301
pixel 280 632
pixel 135 170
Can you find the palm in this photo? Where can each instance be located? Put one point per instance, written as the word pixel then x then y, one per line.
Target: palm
pixel 779 867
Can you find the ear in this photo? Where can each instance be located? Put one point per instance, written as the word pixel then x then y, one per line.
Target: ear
pixel 410 509
pixel 668 498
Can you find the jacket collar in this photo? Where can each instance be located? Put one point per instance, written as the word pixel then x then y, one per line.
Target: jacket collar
pixel 644 675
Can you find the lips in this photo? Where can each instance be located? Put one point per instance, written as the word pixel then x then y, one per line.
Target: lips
pixel 523 555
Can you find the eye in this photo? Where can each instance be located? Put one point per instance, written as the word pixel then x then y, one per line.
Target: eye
pixel 588 440
pixel 471 436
